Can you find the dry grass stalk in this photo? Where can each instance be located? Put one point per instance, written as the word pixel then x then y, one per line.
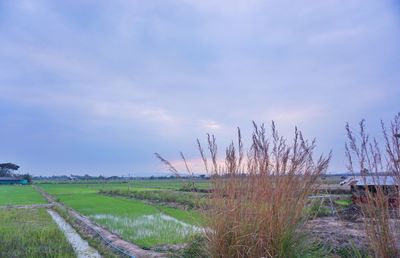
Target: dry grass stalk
pixel 256 206
pixel 364 154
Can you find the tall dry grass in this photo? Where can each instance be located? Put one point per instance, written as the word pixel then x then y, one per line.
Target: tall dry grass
pixel 365 154
pixel 258 196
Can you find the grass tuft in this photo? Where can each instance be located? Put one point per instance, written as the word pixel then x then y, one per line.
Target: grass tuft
pixel 377 203
pixel 31 233
pixel 258 197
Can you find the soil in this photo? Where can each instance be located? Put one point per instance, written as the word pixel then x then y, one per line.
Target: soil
pixel 338 233
pixel 346 229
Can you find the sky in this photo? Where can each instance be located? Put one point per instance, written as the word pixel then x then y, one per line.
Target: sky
pixel 98 86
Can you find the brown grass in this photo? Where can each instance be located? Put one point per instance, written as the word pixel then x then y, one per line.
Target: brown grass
pixel 256 206
pixel 364 154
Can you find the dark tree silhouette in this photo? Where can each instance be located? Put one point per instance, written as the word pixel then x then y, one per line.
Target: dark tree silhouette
pixel 7 169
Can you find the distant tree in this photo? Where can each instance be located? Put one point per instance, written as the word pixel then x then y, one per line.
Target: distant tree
pixel 7 169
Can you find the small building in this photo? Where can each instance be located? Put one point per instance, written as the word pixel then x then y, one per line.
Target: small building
pixel 13 181
pixel 372 183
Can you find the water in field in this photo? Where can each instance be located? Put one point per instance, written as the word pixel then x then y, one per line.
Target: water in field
pixel 148 230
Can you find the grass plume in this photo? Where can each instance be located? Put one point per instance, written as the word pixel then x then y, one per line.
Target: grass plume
pixel 377 203
pixel 257 200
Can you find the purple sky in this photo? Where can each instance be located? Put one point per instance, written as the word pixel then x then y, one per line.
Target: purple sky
pixel 98 86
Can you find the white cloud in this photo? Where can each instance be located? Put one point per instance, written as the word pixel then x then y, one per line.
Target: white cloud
pixel 210 125
pixel 128 111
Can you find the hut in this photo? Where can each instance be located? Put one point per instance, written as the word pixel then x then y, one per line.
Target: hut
pixel 372 183
pixel 13 181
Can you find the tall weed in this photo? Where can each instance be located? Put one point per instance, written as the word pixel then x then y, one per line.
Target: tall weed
pixel 377 205
pixel 258 196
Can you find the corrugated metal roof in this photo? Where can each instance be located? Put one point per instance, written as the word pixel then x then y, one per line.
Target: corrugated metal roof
pixel 10 179
pixel 370 180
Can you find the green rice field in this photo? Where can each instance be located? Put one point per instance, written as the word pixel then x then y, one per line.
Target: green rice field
pixel 81 188
pixel 144 224
pixel 172 184
pixel 31 233
pixel 19 195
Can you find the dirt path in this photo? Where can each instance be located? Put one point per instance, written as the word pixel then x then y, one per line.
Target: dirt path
pixel 81 247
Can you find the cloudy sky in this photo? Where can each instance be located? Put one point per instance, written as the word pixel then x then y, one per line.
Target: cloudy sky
pixel 98 86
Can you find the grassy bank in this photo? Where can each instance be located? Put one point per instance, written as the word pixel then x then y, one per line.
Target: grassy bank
pixel 188 200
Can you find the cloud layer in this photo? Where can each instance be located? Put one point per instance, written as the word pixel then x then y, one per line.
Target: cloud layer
pixel 98 86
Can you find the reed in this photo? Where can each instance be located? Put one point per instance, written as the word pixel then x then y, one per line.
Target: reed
pixel 365 154
pixel 258 196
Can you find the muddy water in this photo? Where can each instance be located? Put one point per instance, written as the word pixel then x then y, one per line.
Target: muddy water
pixel 81 247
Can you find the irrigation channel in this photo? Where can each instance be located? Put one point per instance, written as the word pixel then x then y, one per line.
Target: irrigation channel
pixel 81 247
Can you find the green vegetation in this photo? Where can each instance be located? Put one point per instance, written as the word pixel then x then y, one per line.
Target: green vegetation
pixel 31 233
pixel 147 215
pixel 196 248
pixel 57 189
pixel 148 230
pixel 144 224
pixel 343 202
pixel 190 216
pixel 92 204
pixel 187 199
pixel 173 184
pixel 19 195
pixel 317 208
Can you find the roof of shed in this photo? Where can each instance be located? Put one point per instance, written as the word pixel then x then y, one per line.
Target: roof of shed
pixel 370 180
pixel 10 179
